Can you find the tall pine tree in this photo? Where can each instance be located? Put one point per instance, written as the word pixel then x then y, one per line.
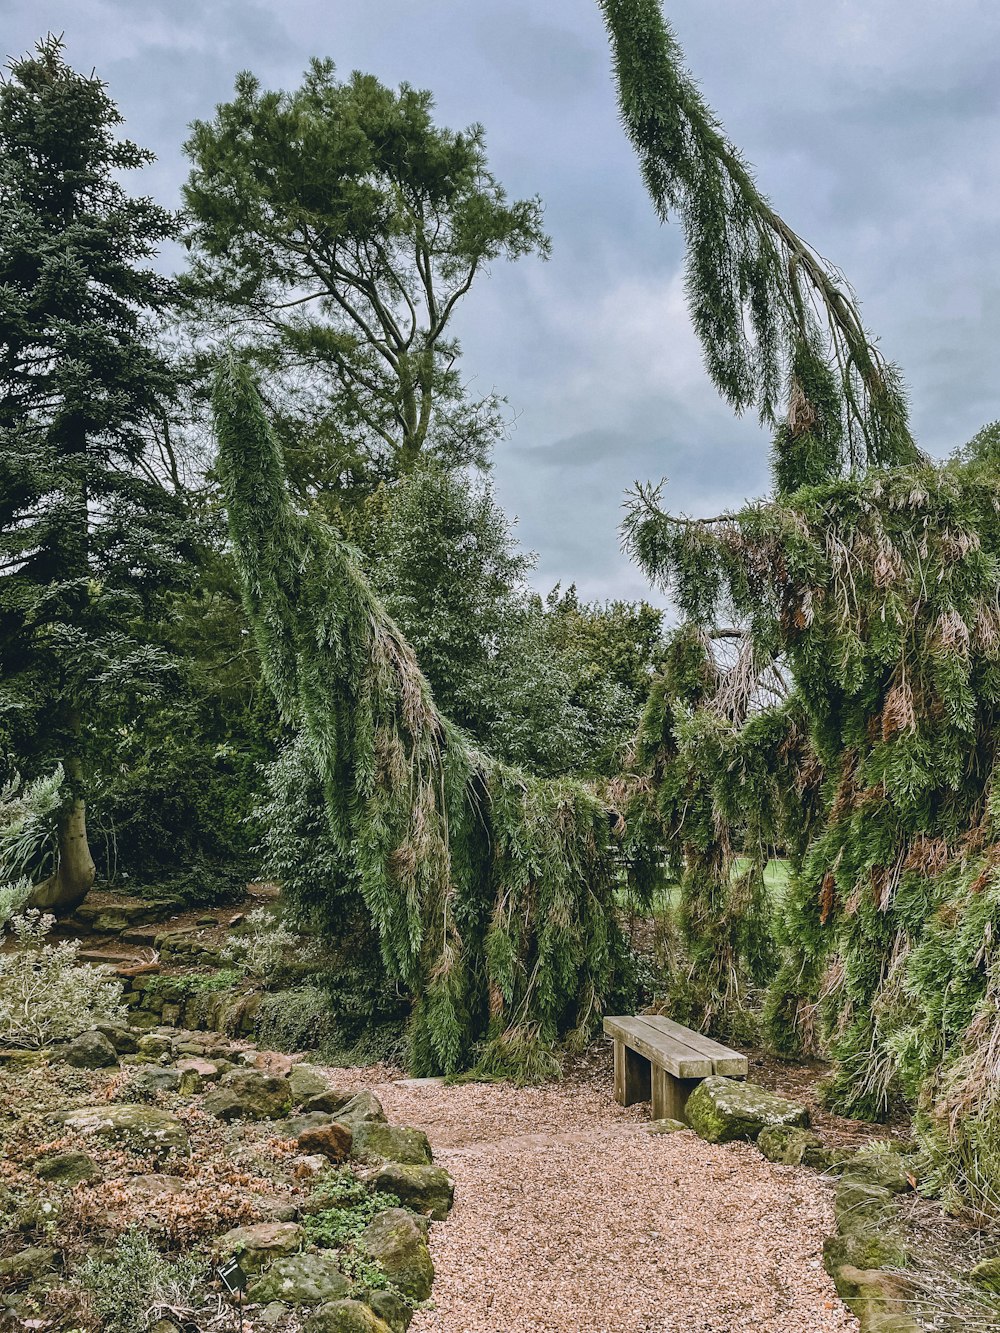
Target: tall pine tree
pixel 86 541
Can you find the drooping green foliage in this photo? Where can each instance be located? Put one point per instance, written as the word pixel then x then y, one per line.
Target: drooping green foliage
pixel 490 891
pixel 835 690
pixel 779 328
pixel 879 594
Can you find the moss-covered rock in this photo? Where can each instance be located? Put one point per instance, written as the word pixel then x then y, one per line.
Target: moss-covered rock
pixel 392 1308
pixel 302 1279
pixel 665 1126
pixel 879 1299
pixel 145 1127
pixel 246 1094
pixel 256 1246
pixel 723 1109
pixel 880 1165
pixel 310 1081
pixel 28 1266
pixel 398 1242
pixel 426 1189
pixel 786 1145
pixel 145 1081
pixel 362 1107
pixel 393 1143
pixel 862 1208
pixel 986 1274
pixel 872 1249
pixel 90 1050
pixel 66 1168
pixel 345 1317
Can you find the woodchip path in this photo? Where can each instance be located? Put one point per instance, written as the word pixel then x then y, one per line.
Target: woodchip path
pixel 570 1217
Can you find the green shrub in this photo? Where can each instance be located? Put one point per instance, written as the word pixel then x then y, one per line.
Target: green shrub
pixel 133 1284
pixel 344 1207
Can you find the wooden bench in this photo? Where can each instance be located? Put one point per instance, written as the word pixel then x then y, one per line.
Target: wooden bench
pixel 657 1060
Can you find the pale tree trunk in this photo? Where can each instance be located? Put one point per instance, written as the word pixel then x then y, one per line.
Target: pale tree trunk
pixel 73 878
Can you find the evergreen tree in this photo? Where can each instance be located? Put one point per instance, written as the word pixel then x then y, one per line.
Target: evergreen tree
pixel 87 541
pixel 340 228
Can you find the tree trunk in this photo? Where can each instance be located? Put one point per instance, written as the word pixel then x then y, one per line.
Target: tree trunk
pixel 74 877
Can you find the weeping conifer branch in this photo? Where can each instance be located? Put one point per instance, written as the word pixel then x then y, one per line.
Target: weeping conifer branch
pixel 491 892
pixel 779 326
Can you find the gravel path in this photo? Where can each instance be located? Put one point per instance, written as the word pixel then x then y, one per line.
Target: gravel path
pixel 570 1217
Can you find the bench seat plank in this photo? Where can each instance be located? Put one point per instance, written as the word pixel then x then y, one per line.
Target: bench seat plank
pixel 660 1048
pixel 724 1061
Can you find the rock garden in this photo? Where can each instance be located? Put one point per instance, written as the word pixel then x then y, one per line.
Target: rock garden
pixel 135 1162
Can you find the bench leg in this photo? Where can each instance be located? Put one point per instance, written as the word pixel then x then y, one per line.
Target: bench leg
pixel 632 1076
pixel 670 1095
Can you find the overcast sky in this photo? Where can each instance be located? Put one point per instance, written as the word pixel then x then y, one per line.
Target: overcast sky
pixel 874 128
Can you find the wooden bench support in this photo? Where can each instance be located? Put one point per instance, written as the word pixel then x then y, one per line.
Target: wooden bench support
pixel 658 1061
pixel 632 1076
pixel 669 1095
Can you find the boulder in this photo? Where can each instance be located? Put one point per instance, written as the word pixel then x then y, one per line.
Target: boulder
pixel 392 1143
pixel 269 1062
pixel 723 1109
pixel 28 1266
pixel 146 1081
pixel 878 1164
pixel 879 1299
pixel 67 1168
pixel 295 1124
pixel 256 1246
pixel 426 1189
pixel 394 1309
pixel 345 1317
pixel 309 1167
pixel 309 1081
pixel 361 1107
pixel 333 1141
pixel 333 1099
pixel 194 1073
pixel 122 1039
pixel 247 1094
pixel 986 1274
pixel 787 1145
pixel 153 1044
pixel 90 1050
pixel 397 1242
pixel 303 1279
pixel 861 1209
pixel 874 1249
pixel 144 1127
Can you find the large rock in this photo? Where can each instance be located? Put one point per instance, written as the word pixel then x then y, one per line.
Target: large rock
pixel 124 1041
pixel 391 1307
pixel 861 1209
pixel 309 1081
pixel 345 1317
pixel 426 1189
pixel 256 1246
pixel 362 1107
pixel 144 1127
pixel 195 1072
pixel 67 1168
pixel 882 1165
pixel 397 1241
pixel 880 1300
pixel 392 1143
pixel 303 1279
pixel 333 1141
pixel 723 1109
pixel 145 1081
pixel 787 1145
pixel 90 1050
pixel 28 1266
pixel 246 1094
